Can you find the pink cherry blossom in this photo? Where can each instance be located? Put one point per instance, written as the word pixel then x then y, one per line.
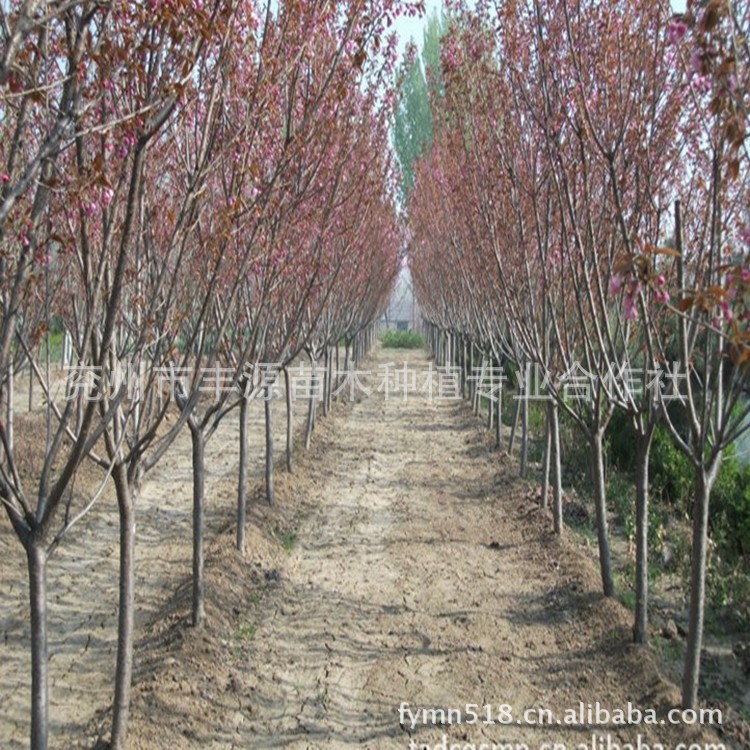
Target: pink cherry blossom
pixel 696 62
pixel 615 284
pixel 702 84
pixel 631 313
pixel 675 31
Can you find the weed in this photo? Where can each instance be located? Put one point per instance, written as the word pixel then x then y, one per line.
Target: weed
pixel 669 649
pixel 245 632
pixel 287 539
pixel 627 597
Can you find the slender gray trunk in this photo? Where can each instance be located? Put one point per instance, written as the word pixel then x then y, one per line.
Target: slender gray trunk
pixel 544 499
pixel 524 462
pixel 310 426
pixel 289 421
pixel 331 380
pixel 326 380
pixel 478 386
pixel 499 420
pixel 242 474
pixel 557 508
pixel 516 418
pixel 268 404
pixel 640 625
pixel 602 524
pixel 337 381
pixel 126 608
pixel 464 366
pixel 691 674
pixel 31 387
pixel 36 559
pixel 199 476
pixel 9 416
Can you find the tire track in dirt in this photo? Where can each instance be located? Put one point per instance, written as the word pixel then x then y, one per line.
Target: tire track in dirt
pixel 425 575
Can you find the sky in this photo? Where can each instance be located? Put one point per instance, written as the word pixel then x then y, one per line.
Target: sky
pixel 413 28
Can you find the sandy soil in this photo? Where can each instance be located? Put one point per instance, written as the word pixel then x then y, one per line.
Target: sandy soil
pixel 406 564
pixel 82 578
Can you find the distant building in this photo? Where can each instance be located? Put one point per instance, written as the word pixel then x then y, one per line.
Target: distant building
pixel 403 312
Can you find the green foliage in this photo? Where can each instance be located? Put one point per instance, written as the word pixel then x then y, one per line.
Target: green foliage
pixel 619 443
pixel 431 57
pixel 672 476
pixel 287 539
pixel 420 84
pixel 576 454
pixel 245 632
pixel 730 508
pixel 402 340
pixel 670 649
pixel 412 130
pixel 728 588
pixel 621 494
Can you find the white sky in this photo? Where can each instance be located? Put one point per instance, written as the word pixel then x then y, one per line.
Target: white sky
pixel 413 28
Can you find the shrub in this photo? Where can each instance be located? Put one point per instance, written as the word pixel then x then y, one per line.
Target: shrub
pixel 403 340
pixel 672 476
pixel 730 517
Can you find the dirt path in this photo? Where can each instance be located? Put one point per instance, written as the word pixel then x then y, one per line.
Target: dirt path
pixel 424 574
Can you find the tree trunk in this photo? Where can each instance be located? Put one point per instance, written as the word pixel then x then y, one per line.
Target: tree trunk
pixel 199 477
pixel 268 407
pixel 36 559
pixel 463 367
pixel 126 609
pixel 338 380
pixel 478 386
pixel 544 499
pixel 557 509
pixel 289 421
pixel 524 462
pixel 31 387
pixel 9 416
pixel 600 503
pixel 640 625
pixel 499 416
pixel 326 380
pixel 491 403
pixel 703 482
pixel 516 417
pixel 310 426
pixel 331 380
pixel 242 474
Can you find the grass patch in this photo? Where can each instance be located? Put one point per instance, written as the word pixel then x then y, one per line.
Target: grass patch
pixel 287 539
pixel 245 632
pixel 403 340
pixel 627 598
pixel 669 649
